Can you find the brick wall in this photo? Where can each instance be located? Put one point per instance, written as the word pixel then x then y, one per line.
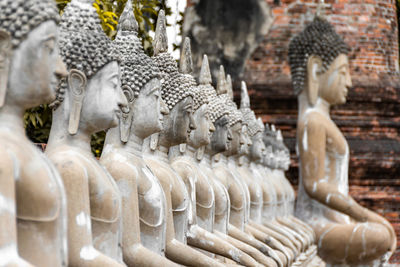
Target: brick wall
pixel 370 119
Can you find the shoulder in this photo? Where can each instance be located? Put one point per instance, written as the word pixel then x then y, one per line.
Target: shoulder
pixel 119 166
pixel 70 165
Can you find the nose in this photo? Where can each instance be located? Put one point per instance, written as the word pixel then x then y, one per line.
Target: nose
pixel 212 127
pixel 249 142
pixel 61 69
pixel 262 148
pixel 122 101
pixel 348 80
pixel 192 123
pixel 242 139
pixel 164 108
pixel 229 134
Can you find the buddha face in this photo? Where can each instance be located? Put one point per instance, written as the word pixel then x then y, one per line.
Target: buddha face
pixel 237 139
pixel 148 110
pixel 178 123
pixel 35 68
pixel 334 83
pixel 245 141
pixel 257 148
pixel 268 155
pixel 204 128
pixel 103 100
pixel 222 135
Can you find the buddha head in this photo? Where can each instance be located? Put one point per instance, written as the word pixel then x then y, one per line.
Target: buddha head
pixel 255 127
pixel 217 111
pixel 224 91
pixel 319 64
pixel 269 139
pixel 177 91
pixel 140 82
pixel 30 65
pixel 203 94
pixel 283 153
pixel 91 95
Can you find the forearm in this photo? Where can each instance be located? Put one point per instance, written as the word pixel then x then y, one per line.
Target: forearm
pixel 328 195
pixel 182 254
pixel 202 239
pixel 140 256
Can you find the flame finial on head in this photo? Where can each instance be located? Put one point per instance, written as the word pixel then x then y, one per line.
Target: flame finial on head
pixel 261 124
pixel 127 21
pixel 160 42
pixel 221 84
pixel 229 86
pixel 279 136
pixel 205 74
pixel 244 96
pixel 186 62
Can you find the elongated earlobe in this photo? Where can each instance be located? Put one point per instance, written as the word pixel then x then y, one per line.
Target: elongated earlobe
pixel 77 88
pixel 153 141
pixel 313 65
pixel 5 56
pixel 125 120
pixel 182 148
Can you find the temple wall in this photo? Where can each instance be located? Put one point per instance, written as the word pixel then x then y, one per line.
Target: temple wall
pixel 370 119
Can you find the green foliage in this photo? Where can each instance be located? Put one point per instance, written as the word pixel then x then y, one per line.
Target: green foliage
pixel 38 123
pixel 38 120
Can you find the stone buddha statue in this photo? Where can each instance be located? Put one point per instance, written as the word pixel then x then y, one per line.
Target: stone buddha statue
pixel 261 192
pixel 347 233
pixel 282 158
pixel 228 167
pixel 89 100
pixel 282 162
pixel 183 160
pixel 143 200
pixel 177 92
pixel 32 197
pixel 220 138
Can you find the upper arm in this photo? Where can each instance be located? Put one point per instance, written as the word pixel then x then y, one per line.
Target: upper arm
pixel 76 184
pixel 312 146
pixel 7 201
pixel 316 181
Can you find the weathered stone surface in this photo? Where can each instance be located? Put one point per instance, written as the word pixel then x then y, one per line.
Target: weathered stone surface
pixel 227 31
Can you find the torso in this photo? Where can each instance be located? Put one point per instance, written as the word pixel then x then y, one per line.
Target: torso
pixel 179 196
pixel 150 195
pixel 222 202
pixel 236 194
pixel 336 174
pixel 204 195
pixel 40 200
pixel 105 202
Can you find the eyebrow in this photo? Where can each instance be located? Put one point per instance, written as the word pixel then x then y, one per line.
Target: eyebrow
pixel 48 37
pixel 189 105
pixel 343 65
pixel 113 75
pixel 153 90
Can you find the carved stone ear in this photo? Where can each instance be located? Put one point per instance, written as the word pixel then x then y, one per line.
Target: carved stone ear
pixel 125 121
pixel 77 89
pixel 5 56
pixel 313 65
pixel 153 141
pixel 200 153
pixel 182 148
